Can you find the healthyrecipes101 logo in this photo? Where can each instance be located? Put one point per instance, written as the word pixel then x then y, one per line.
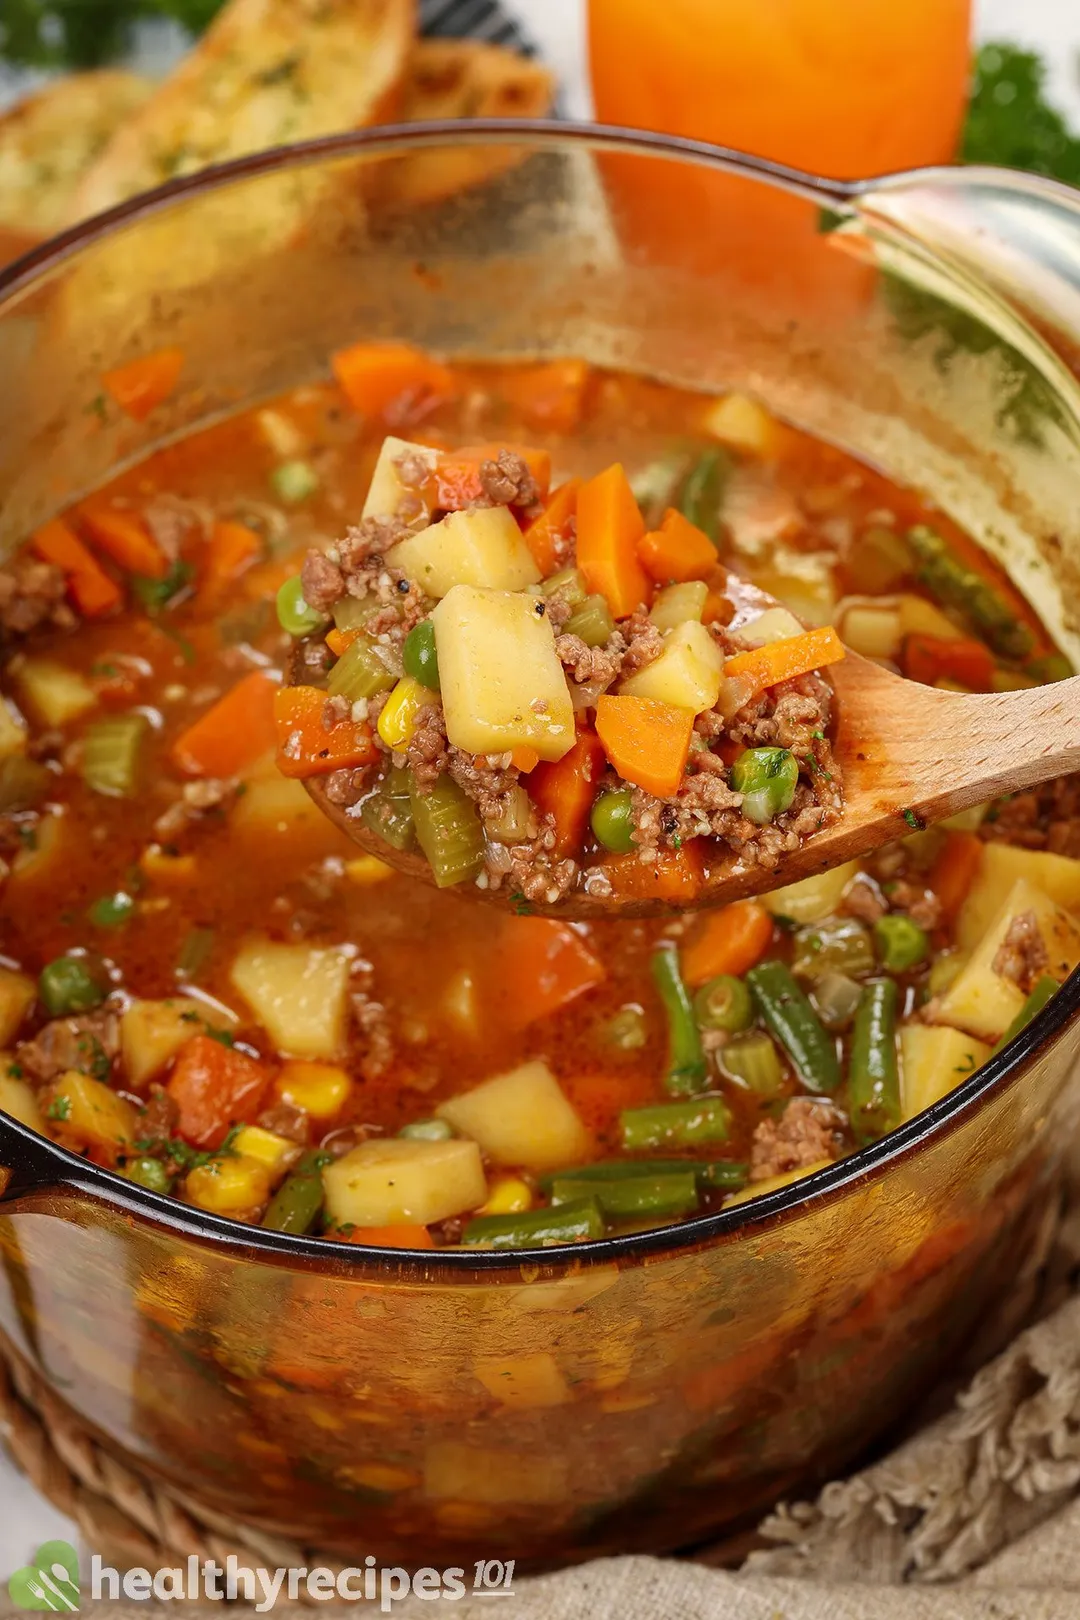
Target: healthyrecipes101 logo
pixel 49 1581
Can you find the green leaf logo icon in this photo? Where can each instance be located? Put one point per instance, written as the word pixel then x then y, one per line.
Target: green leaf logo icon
pixel 49 1581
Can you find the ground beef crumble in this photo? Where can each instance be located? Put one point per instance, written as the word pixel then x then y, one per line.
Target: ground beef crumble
pixel 1022 954
pixel 1046 818
pixel 31 596
pixel 87 1043
pixel 806 1132
pixel 507 481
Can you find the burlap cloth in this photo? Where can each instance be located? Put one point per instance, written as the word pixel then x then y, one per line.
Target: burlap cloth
pixel 975 1516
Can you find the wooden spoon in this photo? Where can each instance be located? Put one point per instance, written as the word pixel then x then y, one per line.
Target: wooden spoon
pixel 910 755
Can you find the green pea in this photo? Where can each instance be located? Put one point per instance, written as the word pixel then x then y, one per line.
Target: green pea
pixel 111 910
pixel 767 779
pixel 724 1003
pixel 420 656
pixel 294 481
pixel 68 986
pixel 612 820
pixel 149 1173
pixel 427 1130
pixel 294 615
pixel 901 943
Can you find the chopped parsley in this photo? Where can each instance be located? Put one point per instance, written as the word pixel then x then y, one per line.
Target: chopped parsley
pixel 59 1108
pixel 914 821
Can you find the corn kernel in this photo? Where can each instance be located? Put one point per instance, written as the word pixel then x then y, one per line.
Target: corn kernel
pixel 320 1089
pixel 509 1195
pixel 228 1186
pixel 366 870
pixel 156 864
pixel 378 1476
pixel 268 1147
pixel 397 722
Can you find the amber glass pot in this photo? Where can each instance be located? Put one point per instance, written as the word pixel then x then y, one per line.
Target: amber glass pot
pixel 650 1390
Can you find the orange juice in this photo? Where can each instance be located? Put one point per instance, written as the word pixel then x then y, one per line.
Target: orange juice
pixel 843 88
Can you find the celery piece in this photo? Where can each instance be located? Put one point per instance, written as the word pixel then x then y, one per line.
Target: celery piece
pixel 359 672
pixel 355 612
pixel 753 1060
pixel 110 755
pixel 592 622
pixel 449 831
pixel 515 819
pixel 24 783
pixel 567 583
pixel 388 811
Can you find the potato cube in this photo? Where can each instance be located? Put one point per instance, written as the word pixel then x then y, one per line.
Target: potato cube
pixel 812 898
pixel 869 626
pixel 152 1032
pixel 918 617
pixel 1000 867
pixel 502 683
pixel 455 1471
pixel 18 1098
pixel 984 1002
pixel 386 491
pixel 320 1089
pixel 277 807
pixel 775 624
pixel 17 992
pixel 55 693
pixel 935 1059
pixel 482 547
pixel 12 730
pixel 524 1382
pixel 387 1182
pixel 86 1113
pixel 675 604
pixel 739 421
pixel 521 1118
pixel 298 993
pixel 687 673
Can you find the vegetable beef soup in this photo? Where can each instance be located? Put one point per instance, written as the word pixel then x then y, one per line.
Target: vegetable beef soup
pixel 512 609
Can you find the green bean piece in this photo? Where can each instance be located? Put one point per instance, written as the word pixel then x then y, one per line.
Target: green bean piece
pixel 149 1173
pixel 753 1060
pixel 724 1173
pixel 702 494
pixel 873 1073
pixel 1036 1001
pixel 592 622
pixel 388 811
pixel 111 910
pixel 449 831
pixel 360 673
pixel 194 954
pixel 901 943
pixel 110 754
pixel 67 985
pixel 957 586
pixel 786 1012
pixel 724 1003
pixel 672 1193
pixel 612 820
pixel 24 783
pixel 294 614
pixel 296 1205
pixel 569 1223
pixel 420 656
pixel 836 998
pixel 628 1031
pixel 427 1130
pixel 567 583
pixel 655 484
pixel 687 1070
pixel 677 1124
pixel 767 779
pixel 837 945
pixel 294 481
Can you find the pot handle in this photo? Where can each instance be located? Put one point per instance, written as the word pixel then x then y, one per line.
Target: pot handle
pixel 1019 233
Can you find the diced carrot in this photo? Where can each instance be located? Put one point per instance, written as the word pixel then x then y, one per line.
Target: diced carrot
pixel 646 742
pixel 305 747
pixel 609 528
pixel 678 550
pixel 92 590
pixel 123 536
pixel 934 658
pixel 457 476
pixel 214 1087
pixel 143 384
pixel 675 878
pixel 566 790
pixel 236 731
pixel 390 379
pixel 339 641
pixel 526 759
pixel 402 1236
pixel 785 660
pixel 731 940
pixel 955 870
pixel 553 526
pixel 550 395
pixel 543 965
pixel 233 548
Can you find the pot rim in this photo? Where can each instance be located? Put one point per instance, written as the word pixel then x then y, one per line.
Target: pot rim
pixel 44 1164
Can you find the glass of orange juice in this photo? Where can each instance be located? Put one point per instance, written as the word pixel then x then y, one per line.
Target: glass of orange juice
pixel 841 88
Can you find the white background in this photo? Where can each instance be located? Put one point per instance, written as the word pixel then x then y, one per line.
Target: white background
pixel 1050 26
